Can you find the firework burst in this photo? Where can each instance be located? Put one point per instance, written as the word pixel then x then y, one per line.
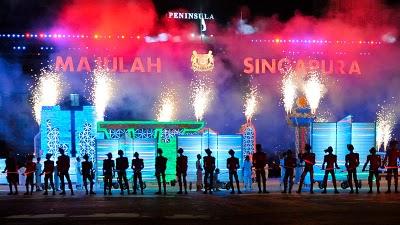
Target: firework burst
pixel 46 92
pixel 385 122
pixel 166 106
pixel 251 101
pixel 288 90
pixel 202 95
pixel 314 90
pixel 102 91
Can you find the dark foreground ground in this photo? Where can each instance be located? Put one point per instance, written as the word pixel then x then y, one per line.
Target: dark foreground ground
pixel 195 208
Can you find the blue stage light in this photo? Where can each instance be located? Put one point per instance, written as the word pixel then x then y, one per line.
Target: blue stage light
pixel 8 35
pixel 23 47
pixel 41 48
pixel 18 47
pixel 14 48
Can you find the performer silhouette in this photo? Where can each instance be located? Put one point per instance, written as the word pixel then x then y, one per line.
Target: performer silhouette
pixel 29 174
pixel 137 166
pixel 199 173
pixel 209 167
pixel 352 162
pixel 38 176
pixel 309 159
pixel 63 164
pixel 181 170
pixel 88 174
pixel 233 165
pixel 247 171
pixel 121 165
pixel 48 174
pixel 259 162
pixel 12 173
pixel 331 163
pixel 375 162
pixel 391 158
pixel 161 166
pixel 290 165
pixel 108 173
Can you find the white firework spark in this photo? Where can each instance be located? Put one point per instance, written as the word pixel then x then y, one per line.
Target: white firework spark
pixel 202 94
pixel 46 92
pixel 166 106
pixel 251 101
pixel 314 90
pixel 102 90
pixel 385 122
pixel 289 90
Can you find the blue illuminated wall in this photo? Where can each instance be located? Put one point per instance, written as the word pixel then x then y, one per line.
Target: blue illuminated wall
pixel 55 130
pixel 219 145
pixel 145 147
pixel 338 135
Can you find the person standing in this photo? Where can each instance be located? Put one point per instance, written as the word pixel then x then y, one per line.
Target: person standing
pixel 121 165
pixel 87 174
pixel 352 162
pixel 232 164
pixel 108 173
pixel 181 170
pixel 209 167
pixel 63 164
pixel 38 176
pixel 137 166
pixel 161 166
pixel 29 174
pixel 259 162
pixel 331 163
pixel 309 160
pixel 48 174
pixel 199 173
pixel 56 179
pixel 78 172
pixel 12 173
pixel 391 157
pixel 247 172
pixel 375 162
pixel 289 164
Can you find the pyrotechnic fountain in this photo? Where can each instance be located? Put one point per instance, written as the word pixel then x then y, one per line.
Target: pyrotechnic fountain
pixel 102 91
pixel 166 106
pixel 202 95
pixel 250 107
pixel 46 92
pixel 301 97
pixel 385 122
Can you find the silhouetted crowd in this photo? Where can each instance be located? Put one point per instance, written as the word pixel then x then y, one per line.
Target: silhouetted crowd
pixel 206 171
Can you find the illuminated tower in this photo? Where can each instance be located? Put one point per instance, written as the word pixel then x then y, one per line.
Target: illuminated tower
pixel 249 138
pixel 301 118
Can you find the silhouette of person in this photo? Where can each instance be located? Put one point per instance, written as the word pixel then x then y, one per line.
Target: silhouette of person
pixel 48 174
pixel 391 157
pixel 289 164
pixel 209 167
pixel 352 162
pixel 78 172
pixel 161 166
pixel 121 165
pixel 232 164
pixel 375 162
pixel 38 176
pixel 259 162
pixel 247 171
pixel 12 173
pixel 331 163
pixel 309 160
pixel 63 164
pixel 29 174
pixel 87 174
pixel 108 173
pixel 181 170
pixel 137 166
pixel 199 173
